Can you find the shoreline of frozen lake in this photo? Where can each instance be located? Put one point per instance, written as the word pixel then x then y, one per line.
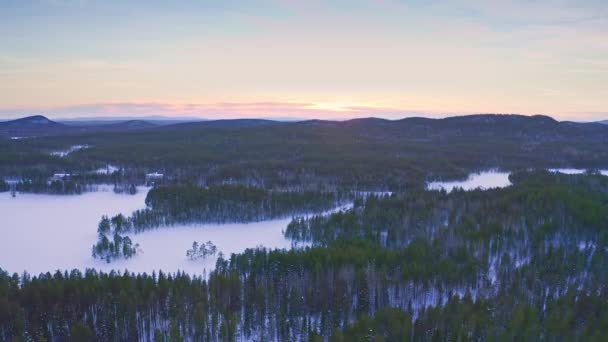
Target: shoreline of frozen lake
pixel 44 233
pixel 493 179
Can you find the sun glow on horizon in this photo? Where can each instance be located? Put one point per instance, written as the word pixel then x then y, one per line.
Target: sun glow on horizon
pixel 339 106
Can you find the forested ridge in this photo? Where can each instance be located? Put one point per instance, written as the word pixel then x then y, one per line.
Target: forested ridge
pixel 526 262
pixel 361 154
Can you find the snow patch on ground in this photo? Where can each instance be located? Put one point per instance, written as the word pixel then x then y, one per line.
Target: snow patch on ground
pixel 568 171
pixel 65 153
pixel 482 180
pixel 572 171
pixel 108 170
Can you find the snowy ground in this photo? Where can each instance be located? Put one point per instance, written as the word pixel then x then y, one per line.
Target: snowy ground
pixel 65 153
pixel 108 170
pixel 41 233
pixel 577 171
pixel 483 180
pixel 569 171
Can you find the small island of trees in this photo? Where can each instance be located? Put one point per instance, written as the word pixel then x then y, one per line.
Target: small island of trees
pixel 110 243
pixel 201 251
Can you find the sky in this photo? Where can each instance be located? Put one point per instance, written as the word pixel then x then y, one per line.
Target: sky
pixel 303 59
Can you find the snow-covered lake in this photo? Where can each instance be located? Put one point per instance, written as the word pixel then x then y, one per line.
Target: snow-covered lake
pixel 571 171
pixel 482 180
pixel 493 179
pixel 41 233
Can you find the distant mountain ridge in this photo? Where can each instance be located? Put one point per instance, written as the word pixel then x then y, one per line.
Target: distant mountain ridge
pixel 538 127
pixel 32 126
pixel 30 120
pixel 38 125
pixel 130 118
pixel 154 120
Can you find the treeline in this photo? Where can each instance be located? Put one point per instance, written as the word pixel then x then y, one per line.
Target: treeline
pixel 336 302
pixel 58 186
pixel 67 185
pixel 179 204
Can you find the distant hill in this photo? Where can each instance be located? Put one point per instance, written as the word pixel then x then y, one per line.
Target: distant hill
pixel 38 126
pixel 154 119
pixel 125 125
pixel 415 129
pixel 228 123
pixel 489 140
pixel 605 122
pixel 481 128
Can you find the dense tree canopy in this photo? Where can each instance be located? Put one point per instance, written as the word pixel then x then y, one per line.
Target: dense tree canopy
pixel 362 154
pixel 525 262
pixel 228 203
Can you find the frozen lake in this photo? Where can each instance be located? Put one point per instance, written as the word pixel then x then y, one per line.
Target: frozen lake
pixel 482 180
pixel 571 171
pixel 42 233
pixel 493 179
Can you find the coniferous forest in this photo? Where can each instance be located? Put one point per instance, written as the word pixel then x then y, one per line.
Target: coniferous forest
pixel 169 205
pixel 521 263
pixel 354 155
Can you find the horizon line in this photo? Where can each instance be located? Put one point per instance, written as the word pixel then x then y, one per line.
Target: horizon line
pixel 161 117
